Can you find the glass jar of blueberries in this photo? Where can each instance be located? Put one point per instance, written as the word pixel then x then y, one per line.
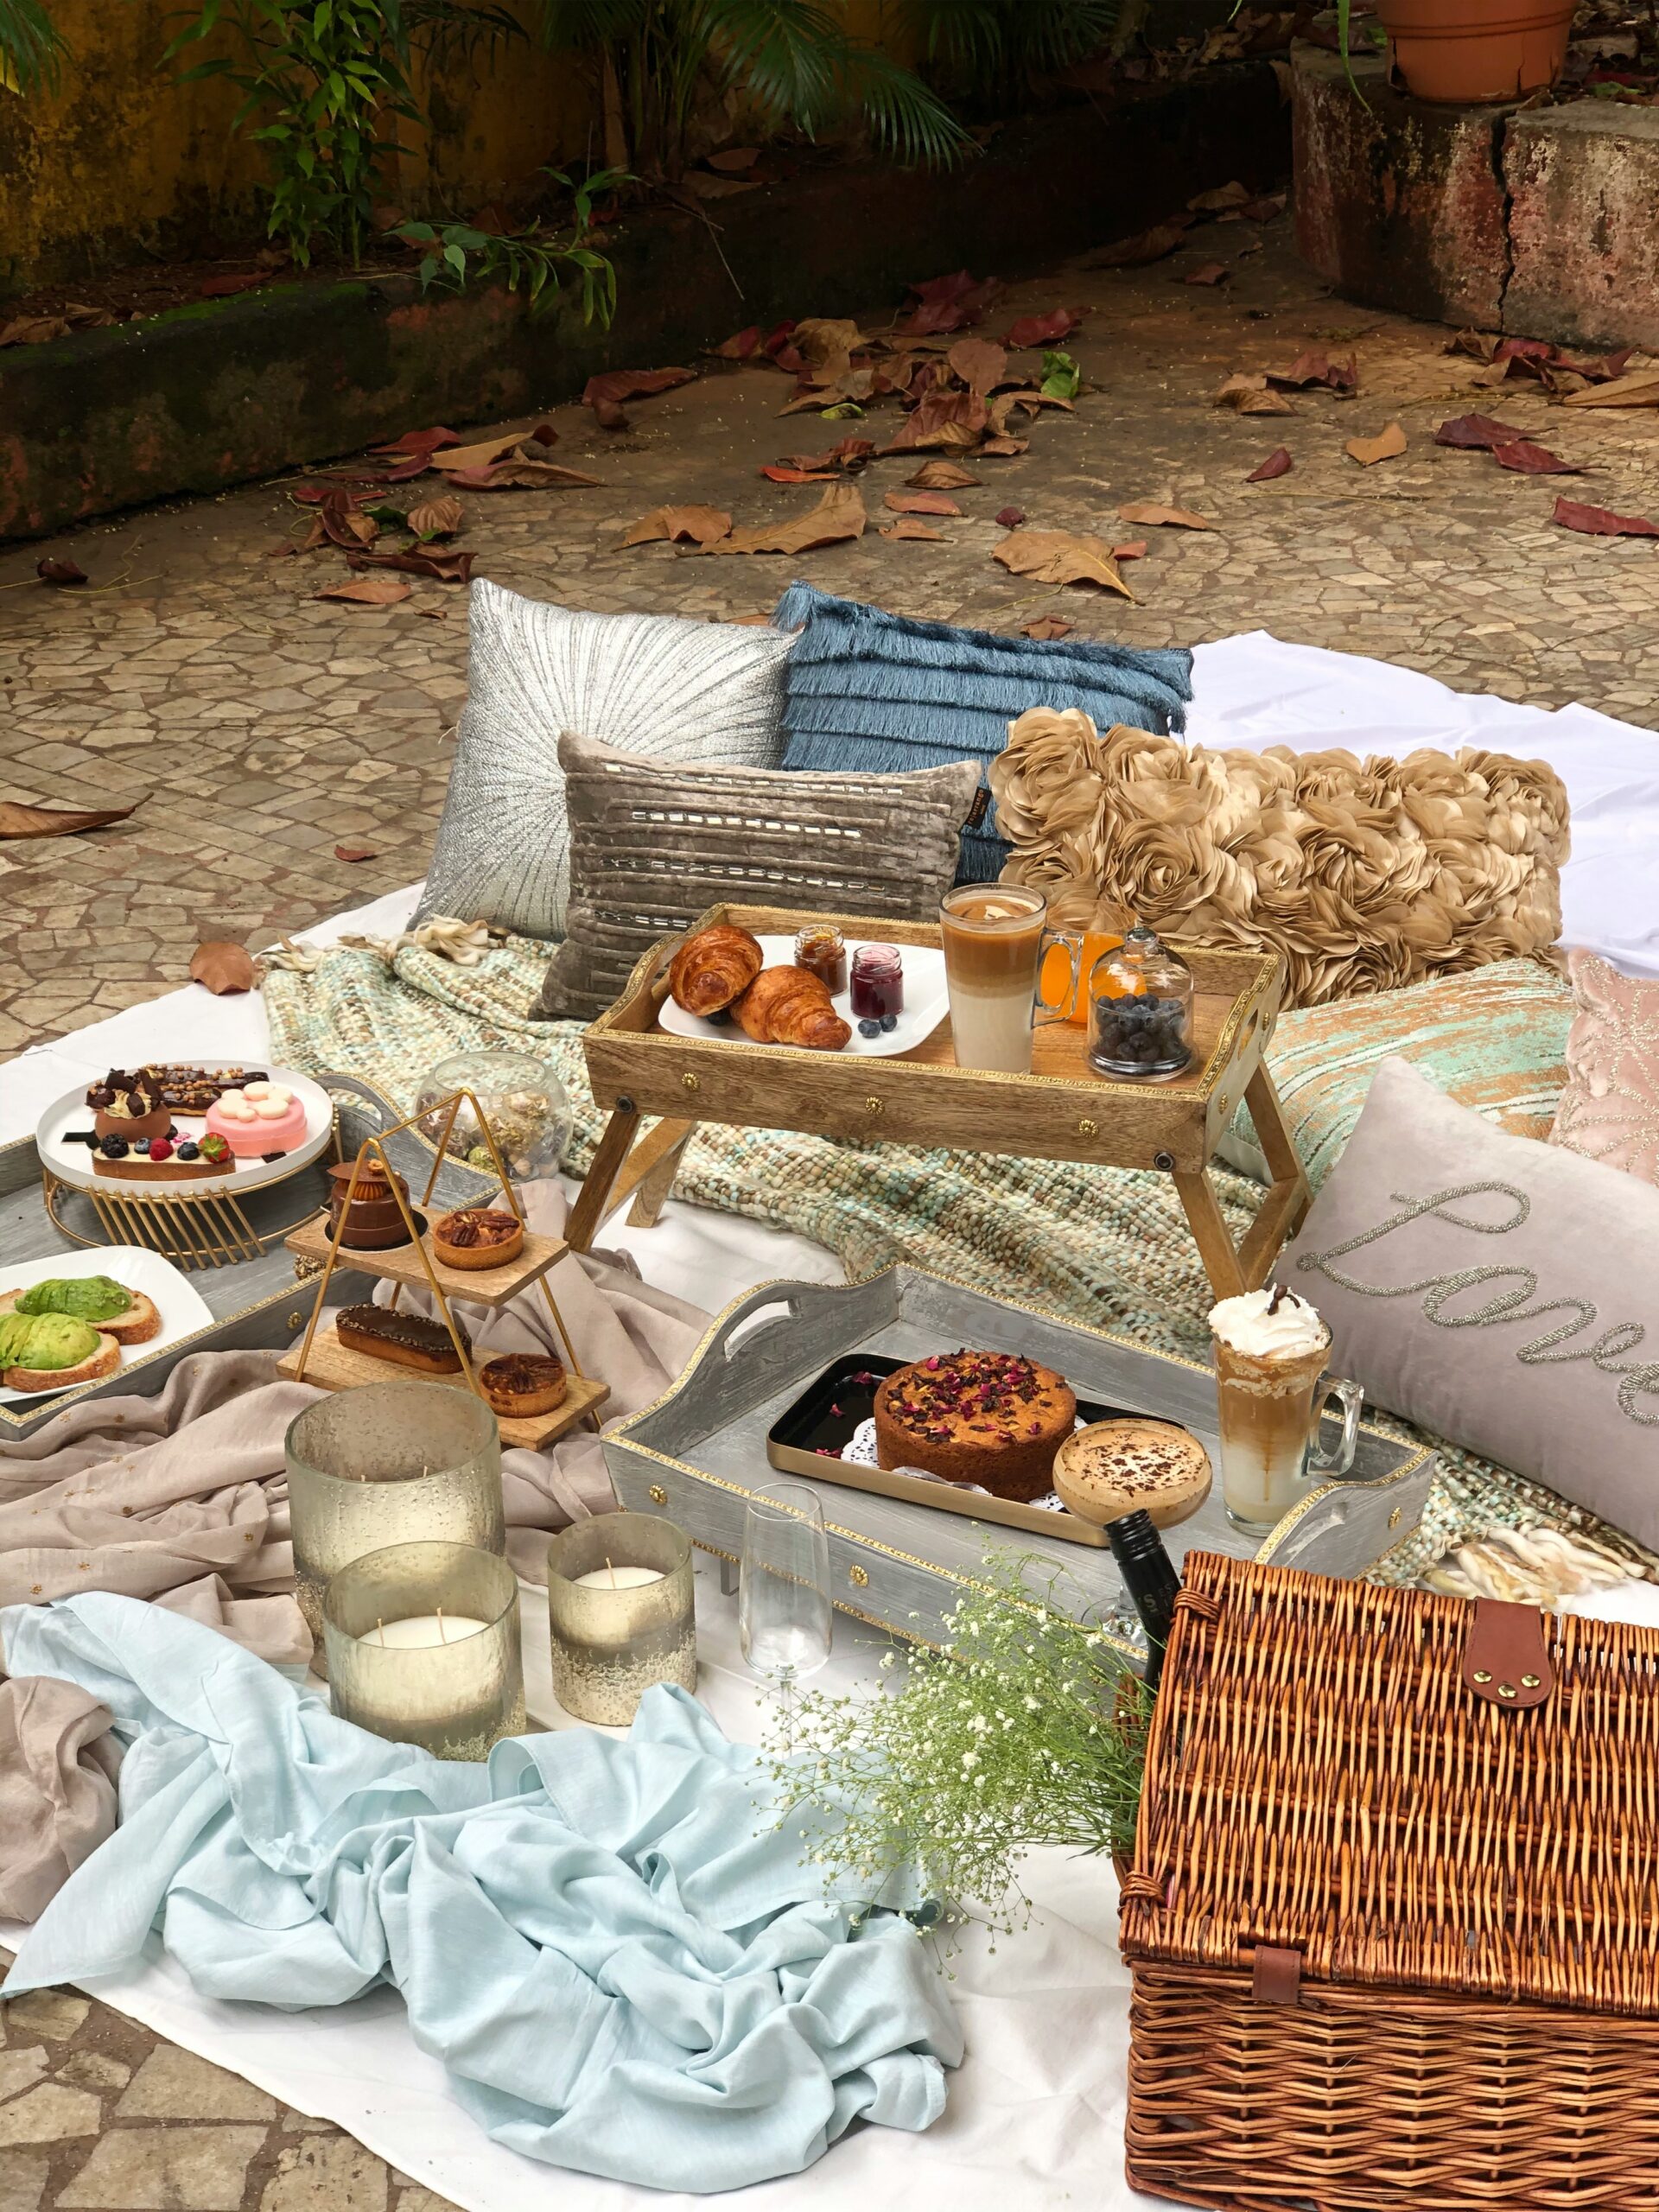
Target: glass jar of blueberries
pixel 1140 1008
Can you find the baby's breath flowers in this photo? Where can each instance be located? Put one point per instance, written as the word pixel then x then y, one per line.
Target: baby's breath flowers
pixel 1029 1729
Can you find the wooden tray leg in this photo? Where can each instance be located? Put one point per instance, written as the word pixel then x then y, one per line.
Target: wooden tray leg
pixel 622 1167
pixel 1279 1216
pixel 592 1206
pixel 652 1196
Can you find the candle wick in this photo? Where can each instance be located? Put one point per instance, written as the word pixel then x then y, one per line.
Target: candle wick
pixel 442 1639
pixel 380 1628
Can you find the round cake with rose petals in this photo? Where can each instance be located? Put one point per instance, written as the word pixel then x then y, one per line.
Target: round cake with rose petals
pixel 264 1118
pixel 987 1418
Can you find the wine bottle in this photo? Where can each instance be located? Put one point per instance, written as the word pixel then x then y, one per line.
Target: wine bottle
pixel 1149 1577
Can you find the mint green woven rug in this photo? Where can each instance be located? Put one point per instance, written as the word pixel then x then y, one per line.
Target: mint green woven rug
pixel 1106 1246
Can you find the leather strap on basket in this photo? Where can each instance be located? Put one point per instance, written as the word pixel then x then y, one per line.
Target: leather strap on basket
pixel 1276 1975
pixel 1506 1660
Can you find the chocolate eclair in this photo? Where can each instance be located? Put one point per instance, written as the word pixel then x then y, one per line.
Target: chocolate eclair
pixel 521 1383
pixel 478 1236
pixel 408 1339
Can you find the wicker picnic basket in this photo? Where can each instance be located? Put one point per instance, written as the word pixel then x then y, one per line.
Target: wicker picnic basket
pixel 1393 1915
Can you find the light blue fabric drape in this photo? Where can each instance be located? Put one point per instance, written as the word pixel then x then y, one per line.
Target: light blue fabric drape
pixel 623 1963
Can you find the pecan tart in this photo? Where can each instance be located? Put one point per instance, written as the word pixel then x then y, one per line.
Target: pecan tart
pixel 521 1383
pixel 478 1236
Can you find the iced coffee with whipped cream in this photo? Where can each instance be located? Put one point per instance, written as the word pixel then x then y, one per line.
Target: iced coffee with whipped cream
pixel 1270 1350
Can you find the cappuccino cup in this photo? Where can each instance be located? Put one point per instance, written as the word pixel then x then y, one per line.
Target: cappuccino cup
pixel 1272 1392
pixel 995 936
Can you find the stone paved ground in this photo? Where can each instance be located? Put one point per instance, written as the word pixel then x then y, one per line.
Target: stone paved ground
pixel 262 728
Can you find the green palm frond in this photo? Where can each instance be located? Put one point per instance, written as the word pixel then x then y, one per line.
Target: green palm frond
pixel 990 45
pixel 582 25
pixel 32 47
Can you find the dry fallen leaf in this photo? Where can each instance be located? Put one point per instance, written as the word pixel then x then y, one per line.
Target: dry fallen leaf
pixel 920 503
pixel 1636 388
pixel 909 527
pixel 442 563
pixel 1132 551
pixel 53 570
pixel 980 365
pixel 1476 433
pixel 1276 464
pixel 33 330
pixel 1529 460
pixel 1061 556
pixel 224 969
pixel 1208 272
pixel 776 473
pixel 477 456
pixel 1010 517
pixel 683 525
pixel 1004 445
pixel 617 385
pixel 438 517
pixel 1147 512
pixel 1310 369
pixel 1597 522
pixel 1387 445
pixel 1233 194
pixel 356 853
pixel 1042 329
pixel 1145 246
pixel 17 820
pixel 1046 626
pixel 1248 395
pixel 941 476
pixel 368 591
pixel 839 513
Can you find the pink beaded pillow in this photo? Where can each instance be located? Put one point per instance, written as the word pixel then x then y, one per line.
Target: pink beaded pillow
pixel 1609 1109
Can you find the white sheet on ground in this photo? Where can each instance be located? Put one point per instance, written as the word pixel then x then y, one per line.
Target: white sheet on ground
pixel 1036 2114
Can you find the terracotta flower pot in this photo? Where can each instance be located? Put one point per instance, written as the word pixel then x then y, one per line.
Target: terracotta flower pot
pixel 1462 51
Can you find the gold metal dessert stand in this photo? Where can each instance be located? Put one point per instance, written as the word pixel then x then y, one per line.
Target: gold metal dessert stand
pixel 1062 1111
pixel 203 1228
pixel 323 1360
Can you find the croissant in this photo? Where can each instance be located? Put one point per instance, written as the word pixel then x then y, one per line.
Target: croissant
pixel 792 1006
pixel 712 966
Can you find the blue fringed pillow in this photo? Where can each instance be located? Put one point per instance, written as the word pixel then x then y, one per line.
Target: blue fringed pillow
pixel 871 691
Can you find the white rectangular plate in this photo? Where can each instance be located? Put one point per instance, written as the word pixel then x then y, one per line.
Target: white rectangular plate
pixel 183 1310
pixel 927 1001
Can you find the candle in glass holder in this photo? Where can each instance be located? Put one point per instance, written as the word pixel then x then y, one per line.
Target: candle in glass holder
pixel 424 1647
pixel 621 1612
pixel 389 1463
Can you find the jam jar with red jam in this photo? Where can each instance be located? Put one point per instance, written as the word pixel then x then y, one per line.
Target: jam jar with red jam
pixel 878 983
pixel 822 950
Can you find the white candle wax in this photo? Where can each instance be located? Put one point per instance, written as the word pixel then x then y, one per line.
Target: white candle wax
pixel 618 1578
pixel 424 1631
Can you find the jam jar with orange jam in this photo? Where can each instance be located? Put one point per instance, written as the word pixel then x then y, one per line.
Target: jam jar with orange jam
pixel 822 950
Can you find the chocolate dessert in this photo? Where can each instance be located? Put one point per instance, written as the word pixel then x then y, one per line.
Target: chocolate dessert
pixel 478 1236
pixel 524 1383
pixel 408 1339
pixel 992 1418
pixel 184 1090
pixel 129 1106
pixel 374 1221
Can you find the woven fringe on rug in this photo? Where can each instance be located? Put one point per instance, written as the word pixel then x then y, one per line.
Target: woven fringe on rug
pixel 1104 1246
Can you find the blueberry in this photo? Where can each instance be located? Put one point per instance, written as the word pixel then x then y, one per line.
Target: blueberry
pixel 720 1017
pixel 889 1023
pixel 869 1028
pixel 189 1150
pixel 113 1148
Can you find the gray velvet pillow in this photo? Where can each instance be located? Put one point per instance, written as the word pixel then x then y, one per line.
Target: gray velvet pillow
pixel 652 845
pixel 1499 1291
pixel 657 684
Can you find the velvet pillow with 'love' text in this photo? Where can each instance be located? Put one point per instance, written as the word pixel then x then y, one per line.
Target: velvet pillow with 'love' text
pixel 1501 1291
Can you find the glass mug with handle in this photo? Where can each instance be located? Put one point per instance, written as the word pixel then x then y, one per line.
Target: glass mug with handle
pixel 1272 1393
pixel 996 937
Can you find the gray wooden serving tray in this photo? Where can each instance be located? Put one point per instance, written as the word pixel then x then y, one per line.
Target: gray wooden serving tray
pixel 700 1450
pixel 257 1304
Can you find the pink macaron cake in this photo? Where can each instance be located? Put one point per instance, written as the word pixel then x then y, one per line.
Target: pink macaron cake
pixel 262 1117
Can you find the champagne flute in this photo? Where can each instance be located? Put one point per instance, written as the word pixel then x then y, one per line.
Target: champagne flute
pixel 784 1613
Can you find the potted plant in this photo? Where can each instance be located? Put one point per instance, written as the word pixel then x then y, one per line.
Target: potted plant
pixel 1464 52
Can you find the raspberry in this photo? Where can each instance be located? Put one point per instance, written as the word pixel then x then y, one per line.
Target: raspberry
pixel 160 1148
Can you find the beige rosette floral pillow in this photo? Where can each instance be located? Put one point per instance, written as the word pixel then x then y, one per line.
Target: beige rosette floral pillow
pixel 1610 1109
pixel 1364 874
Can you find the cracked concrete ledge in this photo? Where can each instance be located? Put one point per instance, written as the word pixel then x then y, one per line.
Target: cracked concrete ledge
pixel 232 390
pixel 1538 222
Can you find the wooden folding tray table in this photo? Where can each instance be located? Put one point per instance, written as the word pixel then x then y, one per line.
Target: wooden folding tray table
pixel 1062 1111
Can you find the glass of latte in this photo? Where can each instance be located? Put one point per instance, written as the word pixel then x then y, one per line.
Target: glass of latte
pixel 1272 1391
pixel 994 937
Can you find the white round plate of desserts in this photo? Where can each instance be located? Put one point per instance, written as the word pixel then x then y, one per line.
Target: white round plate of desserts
pixel 927 1001
pixel 134 1267
pixel 72 1163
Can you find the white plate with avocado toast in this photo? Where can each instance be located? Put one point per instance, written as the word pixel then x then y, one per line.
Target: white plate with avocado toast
pixel 180 1309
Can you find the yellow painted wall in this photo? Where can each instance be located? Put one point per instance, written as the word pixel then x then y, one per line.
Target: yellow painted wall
pixel 123 160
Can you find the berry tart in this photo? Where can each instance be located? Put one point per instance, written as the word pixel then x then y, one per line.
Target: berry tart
pixel 990 1419
pixel 518 1383
pixel 478 1236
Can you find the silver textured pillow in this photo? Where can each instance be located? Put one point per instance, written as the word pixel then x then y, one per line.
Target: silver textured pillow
pixel 652 847
pixel 1496 1290
pixel 660 684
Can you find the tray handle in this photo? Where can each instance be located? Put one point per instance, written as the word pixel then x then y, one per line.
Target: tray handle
pixel 770 1315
